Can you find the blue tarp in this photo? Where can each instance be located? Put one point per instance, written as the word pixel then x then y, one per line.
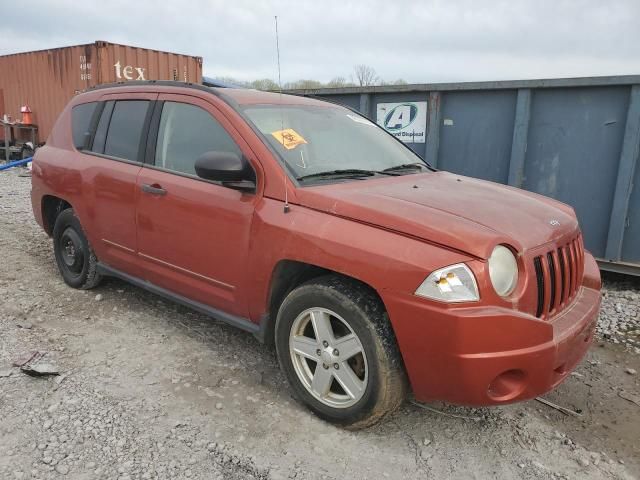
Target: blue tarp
pixel 17 163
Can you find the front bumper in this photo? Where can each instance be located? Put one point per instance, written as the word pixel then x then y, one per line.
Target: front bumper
pixel 484 355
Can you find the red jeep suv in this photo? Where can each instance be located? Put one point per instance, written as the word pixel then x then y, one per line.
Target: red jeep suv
pixel 308 225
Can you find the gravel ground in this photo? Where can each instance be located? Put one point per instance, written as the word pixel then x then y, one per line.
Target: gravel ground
pixel 620 317
pixel 149 389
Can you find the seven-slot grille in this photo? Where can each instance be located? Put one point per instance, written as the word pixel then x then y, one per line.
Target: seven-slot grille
pixel 558 276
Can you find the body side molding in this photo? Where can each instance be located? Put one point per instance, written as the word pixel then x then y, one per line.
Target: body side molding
pixel 239 322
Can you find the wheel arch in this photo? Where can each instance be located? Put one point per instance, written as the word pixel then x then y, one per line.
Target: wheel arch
pixel 387 387
pixel 51 206
pixel 286 276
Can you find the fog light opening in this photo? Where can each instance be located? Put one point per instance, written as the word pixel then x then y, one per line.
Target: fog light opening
pixel 508 385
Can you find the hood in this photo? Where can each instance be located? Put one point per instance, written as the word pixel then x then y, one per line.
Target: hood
pixel 458 212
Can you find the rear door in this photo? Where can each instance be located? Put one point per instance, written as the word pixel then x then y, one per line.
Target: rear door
pixel 115 153
pixel 193 234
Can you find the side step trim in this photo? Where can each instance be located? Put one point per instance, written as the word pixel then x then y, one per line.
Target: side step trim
pixel 239 322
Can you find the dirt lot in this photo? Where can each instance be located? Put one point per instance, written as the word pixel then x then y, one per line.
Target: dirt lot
pixel 152 390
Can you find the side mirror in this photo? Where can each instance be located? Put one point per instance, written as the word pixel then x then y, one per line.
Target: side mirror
pixel 231 169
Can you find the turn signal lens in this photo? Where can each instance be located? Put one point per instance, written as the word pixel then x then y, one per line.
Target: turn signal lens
pixel 455 283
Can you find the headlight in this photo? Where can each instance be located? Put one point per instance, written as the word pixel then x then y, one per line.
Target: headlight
pixel 455 283
pixel 503 270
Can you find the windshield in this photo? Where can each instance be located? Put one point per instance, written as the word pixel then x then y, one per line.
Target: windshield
pixel 325 143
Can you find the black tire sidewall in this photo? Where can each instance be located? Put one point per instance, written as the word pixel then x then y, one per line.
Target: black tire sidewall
pixel 309 296
pixel 67 219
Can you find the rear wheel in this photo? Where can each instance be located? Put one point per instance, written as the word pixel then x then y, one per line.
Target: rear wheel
pixel 75 258
pixel 337 348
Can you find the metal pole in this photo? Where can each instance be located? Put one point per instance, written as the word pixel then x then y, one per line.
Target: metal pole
pixel 7 141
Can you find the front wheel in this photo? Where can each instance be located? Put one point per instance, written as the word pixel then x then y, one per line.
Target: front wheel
pixel 337 348
pixel 75 258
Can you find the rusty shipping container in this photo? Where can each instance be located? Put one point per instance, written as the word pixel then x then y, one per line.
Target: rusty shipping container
pixel 47 79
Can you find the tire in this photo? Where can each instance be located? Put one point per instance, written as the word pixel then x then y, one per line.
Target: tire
pixel 75 258
pixel 363 387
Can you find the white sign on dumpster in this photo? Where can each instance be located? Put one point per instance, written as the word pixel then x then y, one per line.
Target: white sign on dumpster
pixel 407 120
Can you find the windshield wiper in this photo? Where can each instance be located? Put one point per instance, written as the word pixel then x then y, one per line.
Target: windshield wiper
pixel 406 166
pixel 345 173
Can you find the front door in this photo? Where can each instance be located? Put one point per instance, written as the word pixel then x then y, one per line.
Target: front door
pixel 193 234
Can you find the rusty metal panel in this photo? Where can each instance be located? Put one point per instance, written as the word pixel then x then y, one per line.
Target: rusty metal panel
pixel 47 79
pixel 121 63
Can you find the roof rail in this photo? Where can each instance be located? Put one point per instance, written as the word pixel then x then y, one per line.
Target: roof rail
pixel 159 83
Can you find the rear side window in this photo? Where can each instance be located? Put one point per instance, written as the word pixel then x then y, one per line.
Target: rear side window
pixel 125 129
pixel 186 132
pixel 81 116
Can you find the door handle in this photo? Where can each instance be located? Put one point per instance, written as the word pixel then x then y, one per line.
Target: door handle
pixel 154 189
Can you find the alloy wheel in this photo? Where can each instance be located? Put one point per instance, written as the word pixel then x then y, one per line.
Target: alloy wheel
pixel 328 357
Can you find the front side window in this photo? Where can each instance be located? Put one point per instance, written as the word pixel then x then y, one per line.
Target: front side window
pixel 316 140
pixel 186 132
pixel 81 116
pixel 125 129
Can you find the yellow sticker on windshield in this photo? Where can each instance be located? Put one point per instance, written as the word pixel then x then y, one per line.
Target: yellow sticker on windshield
pixel 289 138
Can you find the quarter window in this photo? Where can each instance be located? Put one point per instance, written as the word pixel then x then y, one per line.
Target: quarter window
pixel 103 125
pixel 81 116
pixel 185 133
pixel 125 129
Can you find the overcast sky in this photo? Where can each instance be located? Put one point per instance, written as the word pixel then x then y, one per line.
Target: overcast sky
pixel 426 41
